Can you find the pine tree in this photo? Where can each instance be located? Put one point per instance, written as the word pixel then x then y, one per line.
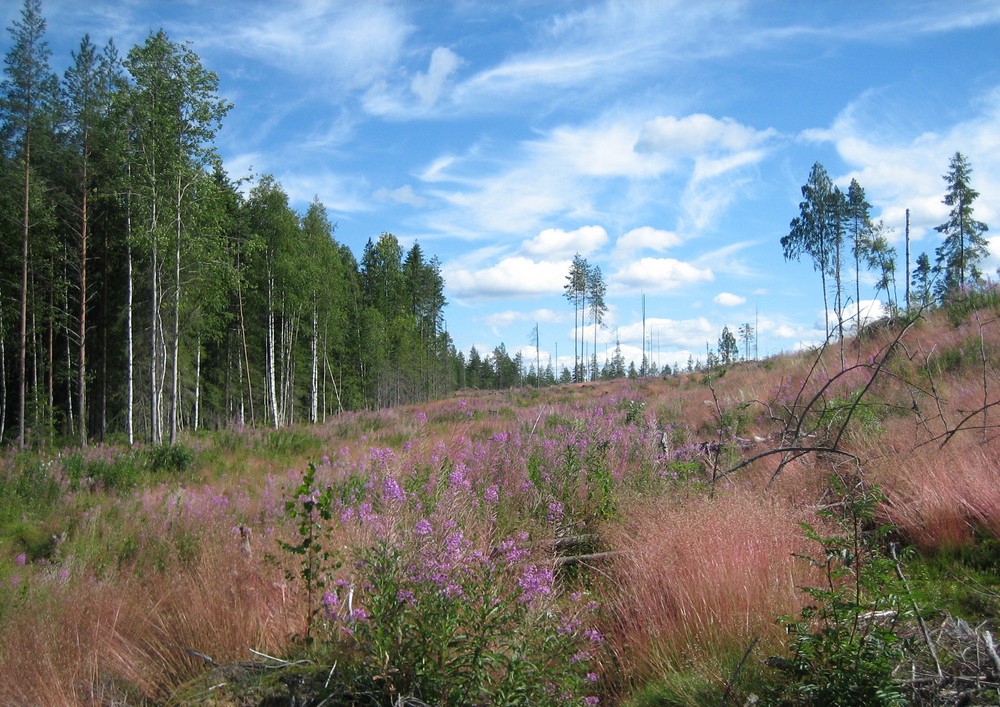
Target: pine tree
pixel 28 99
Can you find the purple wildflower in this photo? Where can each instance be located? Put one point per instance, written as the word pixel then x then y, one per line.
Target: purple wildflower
pixel 423 527
pixel 535 582
pixel 392 491
pixel 21 559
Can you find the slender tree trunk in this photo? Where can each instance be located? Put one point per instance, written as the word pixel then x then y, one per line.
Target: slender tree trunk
pixel 130 340
pixel 23 333
pixel 246 357
pixel 197 383
pixel 272 387
pixel 81 392
pixel 314 383
pixel 907 260
pixel 175 380
pixel 154 318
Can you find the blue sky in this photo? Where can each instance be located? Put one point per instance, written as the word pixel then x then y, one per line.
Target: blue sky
pixel 665 141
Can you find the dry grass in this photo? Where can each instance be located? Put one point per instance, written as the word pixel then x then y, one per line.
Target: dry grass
pixel 700 577
pixel 940 498
pixel 131 637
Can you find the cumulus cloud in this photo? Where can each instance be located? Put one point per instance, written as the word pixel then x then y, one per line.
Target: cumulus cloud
pixel 727 299
pixel 661 274
pixel 557 243
pixel 671 333
pixel 515 276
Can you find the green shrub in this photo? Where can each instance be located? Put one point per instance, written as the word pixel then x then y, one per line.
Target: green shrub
pixel 843 647
pixel 170 458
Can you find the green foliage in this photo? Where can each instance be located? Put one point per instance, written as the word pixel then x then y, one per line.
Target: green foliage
pixel 635 412
pixel 287 442
pixel 960 305
pixel 474 638
pixel 844 647
pixel 310 508
pixel 170 458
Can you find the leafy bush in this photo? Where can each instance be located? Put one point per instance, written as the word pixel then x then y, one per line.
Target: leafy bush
pixel 170 458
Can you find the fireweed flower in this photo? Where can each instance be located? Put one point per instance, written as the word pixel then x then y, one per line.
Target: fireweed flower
pixel 423 527
pixel 535 582
pixel 392 491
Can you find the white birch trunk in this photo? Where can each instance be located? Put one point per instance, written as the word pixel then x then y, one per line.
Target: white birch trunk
pixel 197 383
pixel 272 388
pixel 175 380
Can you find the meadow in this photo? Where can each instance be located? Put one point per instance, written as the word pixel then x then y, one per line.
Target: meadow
pixel 815 528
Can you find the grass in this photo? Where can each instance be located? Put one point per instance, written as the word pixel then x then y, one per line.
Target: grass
pixel 122 570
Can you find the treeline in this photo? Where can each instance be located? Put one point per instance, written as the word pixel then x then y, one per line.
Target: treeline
pixel 143 291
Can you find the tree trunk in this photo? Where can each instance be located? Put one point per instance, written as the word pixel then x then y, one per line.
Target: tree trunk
pixel 246 356
pixel 175 380
pixel 272 387
pixel 314 382
pixel 81 392
pixel 130 341
pixel 197 383
pixel 154 318
pixel 23 333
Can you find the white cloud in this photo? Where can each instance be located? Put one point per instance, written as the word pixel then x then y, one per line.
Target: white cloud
pixel 670 333
pixel 594 172
pixel 511 277
pixel 428 86
pixel 695 135
pixel 512 316
pixel 401 195
pixel 727 299
pixel 338 193
pixel 354 44
pixel 661 274
pixel 557 243
pixel 645 238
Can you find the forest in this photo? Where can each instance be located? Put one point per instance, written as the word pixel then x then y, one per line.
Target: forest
pixel 143 290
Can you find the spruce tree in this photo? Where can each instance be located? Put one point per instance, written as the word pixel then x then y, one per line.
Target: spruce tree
pixel 964 245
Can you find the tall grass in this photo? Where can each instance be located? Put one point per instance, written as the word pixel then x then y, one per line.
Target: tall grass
pixel 699 581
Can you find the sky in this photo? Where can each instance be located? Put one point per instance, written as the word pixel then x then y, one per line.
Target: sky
pixel 665 141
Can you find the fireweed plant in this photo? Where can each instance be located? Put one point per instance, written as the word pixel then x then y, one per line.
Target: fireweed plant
pixel 448 589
